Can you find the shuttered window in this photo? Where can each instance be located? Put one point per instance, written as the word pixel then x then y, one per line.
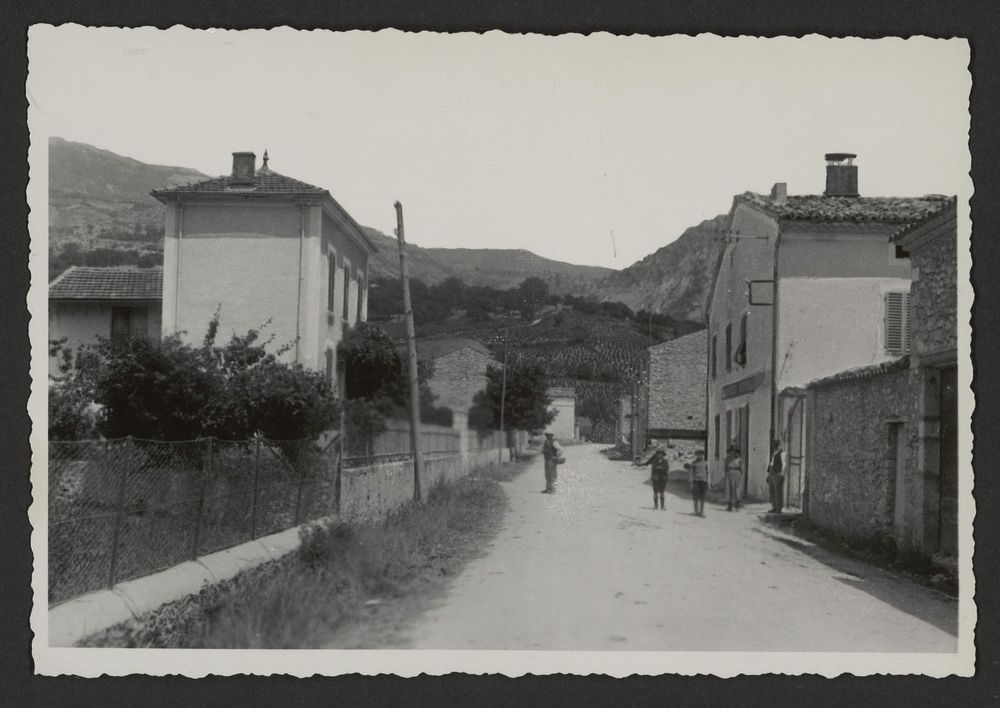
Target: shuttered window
pixel 361 293
pixel 329 366
pixel 729 347
pixel 741 349
pixel 717 432
pixel 347 291
pixel 898 316
pixel 715 355
pixel 331 280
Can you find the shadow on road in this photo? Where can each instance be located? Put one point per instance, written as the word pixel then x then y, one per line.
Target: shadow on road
pixel 880 584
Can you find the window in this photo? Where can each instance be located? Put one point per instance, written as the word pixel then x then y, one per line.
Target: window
pixel 347 290
pixel 715 355
pixel 898 315
pixel 128 322
pixel 717 433
pixel 329 366
pixel 331 281
pixel 729 347
pixel 361 290
pixel 741 349
pixel 730 431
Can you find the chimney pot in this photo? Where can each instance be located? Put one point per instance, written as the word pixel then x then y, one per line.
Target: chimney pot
pixel 244 168
pixel 841 175
pixel 779 193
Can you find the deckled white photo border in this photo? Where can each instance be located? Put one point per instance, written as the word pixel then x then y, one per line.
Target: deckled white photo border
pixel 89 662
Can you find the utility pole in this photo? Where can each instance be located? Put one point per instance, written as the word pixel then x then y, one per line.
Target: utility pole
pixel 503 393
pixel 411 350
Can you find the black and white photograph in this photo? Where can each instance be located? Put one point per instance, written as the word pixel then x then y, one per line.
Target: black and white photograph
pixel 415 352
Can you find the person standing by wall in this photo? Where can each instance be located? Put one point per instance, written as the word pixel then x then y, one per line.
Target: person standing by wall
pixel 661 472
pixel 699 481
pixel 776 477
pixel 734 478
pixel 553 455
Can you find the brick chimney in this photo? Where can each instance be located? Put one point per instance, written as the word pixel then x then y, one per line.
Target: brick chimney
pixel 779 193
pixel 841 175
pixel 244 168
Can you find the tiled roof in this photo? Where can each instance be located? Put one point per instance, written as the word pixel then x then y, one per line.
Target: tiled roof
pixel 818 207
pixel 117 283
pixel 948 205
pixel 266 182
pixel 561 392
pixel 863 372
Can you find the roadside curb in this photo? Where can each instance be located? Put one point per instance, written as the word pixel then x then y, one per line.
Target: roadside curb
pixel 76 619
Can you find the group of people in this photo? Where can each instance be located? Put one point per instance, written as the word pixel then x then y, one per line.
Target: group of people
pixel 733 478
pixel 552 453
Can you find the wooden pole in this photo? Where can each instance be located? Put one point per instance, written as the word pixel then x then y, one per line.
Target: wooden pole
pixel 503 393
pixel 411 350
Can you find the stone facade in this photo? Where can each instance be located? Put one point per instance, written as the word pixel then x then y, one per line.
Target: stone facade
pixel 677 385
pixel 934 292
pixel 458 376
pixel 853 459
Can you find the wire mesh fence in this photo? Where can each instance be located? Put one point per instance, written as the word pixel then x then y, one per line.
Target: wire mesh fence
pixel 120 509
pixel 125 508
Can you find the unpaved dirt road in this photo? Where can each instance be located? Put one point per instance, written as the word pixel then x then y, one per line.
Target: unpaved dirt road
pixel 595 567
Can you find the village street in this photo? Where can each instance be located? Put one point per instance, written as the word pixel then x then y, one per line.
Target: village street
pixel 595 567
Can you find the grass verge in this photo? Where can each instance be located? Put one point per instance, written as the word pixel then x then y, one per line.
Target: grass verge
pixel 347 586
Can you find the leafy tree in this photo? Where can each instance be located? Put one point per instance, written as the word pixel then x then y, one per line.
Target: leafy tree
pixel 525 403
pixel 172 391
pixel 532 294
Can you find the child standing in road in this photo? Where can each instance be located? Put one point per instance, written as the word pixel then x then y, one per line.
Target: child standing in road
pixel 661 471
pixel 699 481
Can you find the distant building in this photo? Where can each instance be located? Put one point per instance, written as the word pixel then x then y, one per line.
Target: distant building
pixel 807 286
pixel 87 303
pixel 883 440
pixel 459 372
pixel 564 405
pixel 264 249
pixel 675 395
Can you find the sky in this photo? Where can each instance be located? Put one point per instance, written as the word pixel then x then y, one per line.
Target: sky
pixel 593 150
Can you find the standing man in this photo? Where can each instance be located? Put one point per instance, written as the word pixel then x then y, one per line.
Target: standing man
pixel 661 471
pixel 699 481
pixel 776 477
pixel 553 454
pixel 734 478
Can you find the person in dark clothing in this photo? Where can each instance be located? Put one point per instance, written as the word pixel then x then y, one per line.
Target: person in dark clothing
pixel 661 471
pixel 553 455
pixel 776 477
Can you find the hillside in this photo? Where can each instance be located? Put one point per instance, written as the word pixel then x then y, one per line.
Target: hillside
pixel 502 268
pixel 675 279
pixel 96 196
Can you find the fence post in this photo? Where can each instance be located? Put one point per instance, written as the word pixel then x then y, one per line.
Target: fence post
pixel 302 477
pixel 205 472
pixel 120 508
pixel 256 474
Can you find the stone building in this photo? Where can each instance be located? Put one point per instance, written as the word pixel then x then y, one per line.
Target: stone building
pixel 459 373
pixel 882 440
pixel 263 249
pixel 801 292
pixel 675 395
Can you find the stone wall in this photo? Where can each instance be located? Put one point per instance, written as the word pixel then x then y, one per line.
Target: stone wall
pixel 934 293
pixel 458 377
pixel 851 483
pixel 371 493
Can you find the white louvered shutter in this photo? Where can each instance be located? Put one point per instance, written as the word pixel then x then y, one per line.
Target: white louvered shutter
pixel 898 313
